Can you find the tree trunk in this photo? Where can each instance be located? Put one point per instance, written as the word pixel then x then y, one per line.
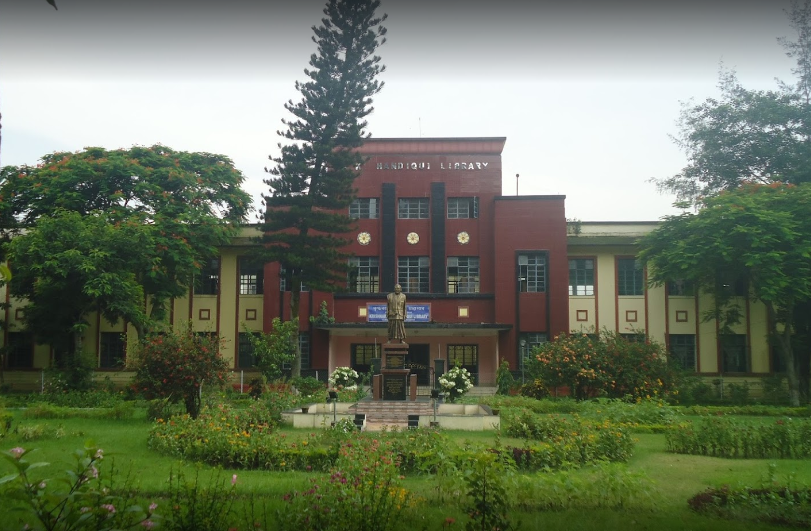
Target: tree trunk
pixel 295 299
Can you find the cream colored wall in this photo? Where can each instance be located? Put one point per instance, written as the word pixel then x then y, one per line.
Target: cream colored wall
pixel 657 314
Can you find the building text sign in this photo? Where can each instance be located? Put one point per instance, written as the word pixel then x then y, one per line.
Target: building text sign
pixel 467 165
pixel 415 313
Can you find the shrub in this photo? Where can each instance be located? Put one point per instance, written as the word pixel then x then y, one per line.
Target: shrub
pixel 198 507
pixel 74 373
pixel 606 485
pixel 785 505
pixel 86 399
pixel 362 492
pixel 505 381
pixel 308 386
pixel 609 365
pixel 175 365
pixel 486 481
pixel 455 383
pixel 122 410
pixel 344 378
pixel 83 500
pixel 724 437
pixel 652 412
pixel 535 389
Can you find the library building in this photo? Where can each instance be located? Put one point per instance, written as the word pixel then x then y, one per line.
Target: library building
pixel 486 277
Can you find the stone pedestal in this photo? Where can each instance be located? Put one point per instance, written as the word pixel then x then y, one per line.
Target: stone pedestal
pixel 394 381
pixel 394 355
pixel 377 387
pixel 396 384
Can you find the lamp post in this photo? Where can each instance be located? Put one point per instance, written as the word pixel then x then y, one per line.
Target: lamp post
pixel 333 397
pixel 434 398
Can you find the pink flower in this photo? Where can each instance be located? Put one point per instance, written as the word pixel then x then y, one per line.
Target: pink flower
pixel 149 524
pixel 109 506
pixel 17 452
pixel 99 454
pixel 234 479
pixel 152 507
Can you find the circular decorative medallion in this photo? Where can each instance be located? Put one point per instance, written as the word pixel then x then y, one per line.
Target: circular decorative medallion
pixel 413 238
pixel 463 237
pixel 364 238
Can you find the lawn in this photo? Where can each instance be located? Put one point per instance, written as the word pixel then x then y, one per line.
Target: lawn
pixel 661 482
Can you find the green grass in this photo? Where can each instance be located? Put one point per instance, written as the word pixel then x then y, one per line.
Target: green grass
pixel 675 477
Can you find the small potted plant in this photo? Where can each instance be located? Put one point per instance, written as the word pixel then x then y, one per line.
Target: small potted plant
pixel 456 383
pixel 344 379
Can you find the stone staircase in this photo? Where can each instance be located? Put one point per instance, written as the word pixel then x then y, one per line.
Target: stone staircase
pixel 390 413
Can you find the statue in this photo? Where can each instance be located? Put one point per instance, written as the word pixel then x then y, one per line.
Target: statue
pixel 396 314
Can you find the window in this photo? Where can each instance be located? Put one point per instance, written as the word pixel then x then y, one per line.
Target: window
pixel 633 338
pixel 581 276
pixel 246 356
pixel 112 350
pixel 412 274
pixel 680 288
pixel 527 343
pixel 734 355
pixel 251 277
pixel 731 285
pixel 683 350
pixel 304 349
pixel 20 350
pixel 463 207
pixel 364 208
pixel 466 356
pixel 463 274
pixel 285 281
pixel 364 274
pixel 629 277
pixel 362 355
pixel 532 273
pixel 208 281
pixel 413 208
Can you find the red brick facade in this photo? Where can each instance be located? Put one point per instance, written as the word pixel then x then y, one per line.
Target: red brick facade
pixel 433 174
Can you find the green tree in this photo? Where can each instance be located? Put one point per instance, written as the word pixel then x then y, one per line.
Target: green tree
pixel 72 265
pixel 275 349
pixel 174 365
pixel 311 182
pixel 761 234
pixel 748 136
pixel 745 135
pixel 178 207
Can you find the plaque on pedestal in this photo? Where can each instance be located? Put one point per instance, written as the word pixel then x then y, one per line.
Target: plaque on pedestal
pixel 395 384
pixel 395 361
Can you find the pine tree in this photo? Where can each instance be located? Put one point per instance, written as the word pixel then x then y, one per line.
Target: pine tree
pixel 311 183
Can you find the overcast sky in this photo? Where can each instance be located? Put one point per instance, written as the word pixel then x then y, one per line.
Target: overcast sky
pixel 586 92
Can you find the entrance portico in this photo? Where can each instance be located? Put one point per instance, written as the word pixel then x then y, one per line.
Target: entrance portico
pixel 475 347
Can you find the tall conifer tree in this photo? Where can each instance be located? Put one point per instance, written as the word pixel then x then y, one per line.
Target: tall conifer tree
pixel 311 182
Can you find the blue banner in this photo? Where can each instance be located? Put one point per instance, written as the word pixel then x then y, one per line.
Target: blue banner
pixel 415 313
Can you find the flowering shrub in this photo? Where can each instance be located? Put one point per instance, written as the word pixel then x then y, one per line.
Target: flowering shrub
pixel 84 500
pixel 610 365
pixel 455 383
pixel 362 492
pixel 344 378
pixel 176 364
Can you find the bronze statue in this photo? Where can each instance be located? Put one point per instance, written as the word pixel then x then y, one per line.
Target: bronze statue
pixel 396 314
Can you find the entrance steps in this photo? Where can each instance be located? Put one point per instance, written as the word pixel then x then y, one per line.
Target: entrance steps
pixel 388 413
